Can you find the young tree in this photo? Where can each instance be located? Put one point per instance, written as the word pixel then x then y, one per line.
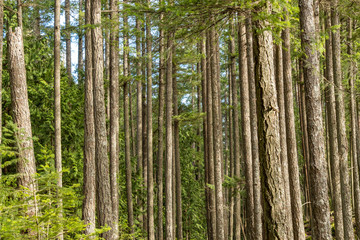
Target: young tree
pixel 68 39
pixel 80 42
pixel 1 69
pixel 318 172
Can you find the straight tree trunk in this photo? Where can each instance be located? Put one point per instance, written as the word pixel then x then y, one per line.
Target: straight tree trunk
pixel 57 107
pixel 114 114
pixel 235 132
pixel 26 167
pixel 68 39
pixel 333 138
pixel 318 172
pixel 169 141
pixel 341 121
pixel 295 191
pixel 19 14
pixel 104 201
pixel 161 130
pixel 246 133
pixel 89 204
pixel 80 44
pixel 1 68
pixel 269 139
pixel 354 141
pixel 150 167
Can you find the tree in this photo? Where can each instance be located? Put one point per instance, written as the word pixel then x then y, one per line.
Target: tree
pixel 68 39
pixel 1 69
pixel 318 173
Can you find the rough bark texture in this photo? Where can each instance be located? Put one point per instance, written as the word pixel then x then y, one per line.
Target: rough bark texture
pixel 89 203
pixel 341 126
pixel 318 172
pixel 150 177
pixel 26 167
pixel 57 106
pixel 19 13
pixel 269 140
pixel 333 138
pixel 169 143
pixel 295 191
pixel 104 203
pixel 68 39
pixel 114 115
pixel 246 132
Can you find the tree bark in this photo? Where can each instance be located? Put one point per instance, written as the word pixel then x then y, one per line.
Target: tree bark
pixel 89 203
pixel 295 191
pixel 80 44
pixel 1 68
pixel 341 121
pixel 318 172
pixel 269 139
pixel 68 39
pixel 104 201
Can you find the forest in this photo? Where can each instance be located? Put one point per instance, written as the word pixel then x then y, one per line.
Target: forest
pixel 186 119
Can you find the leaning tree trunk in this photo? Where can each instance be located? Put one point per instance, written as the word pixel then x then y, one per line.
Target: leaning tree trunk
pixel 318 170
pixel 269 139
pixel 26 167
pixel 341 126
pixel 104 203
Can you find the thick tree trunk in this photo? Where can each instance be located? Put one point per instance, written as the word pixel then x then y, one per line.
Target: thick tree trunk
pixel 295 191
pixel 89 133
pixel 246 133
pixel 68 39
pixel 104 202
pixel 114 114
pixel 269 139
pixel 26 167
pixel 318 172
pixel 57 106
pixel 341 121
pixel 333 138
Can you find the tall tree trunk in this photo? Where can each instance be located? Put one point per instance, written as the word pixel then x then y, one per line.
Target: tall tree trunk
pixel 246 132
pixel 235 131
pixel 26 167
pixel 37 22
pixel 318 172
pixel 68 39
pixel 19 14
pixel 169 141
pixel 150 177
pixel 295 191
pixel 80 44
pixel 217 125
pixel 354 141
pixel 269 139
pixel 1 68
pixel 57 107
pixel 341 121
pixel 104 203
pixel 161 130
pixel 89 205
pixel 333 138
pixel 114 114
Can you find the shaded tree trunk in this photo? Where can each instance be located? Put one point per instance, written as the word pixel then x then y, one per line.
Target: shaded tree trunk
pixel 1 68
pixel 68 39
pixel 80 44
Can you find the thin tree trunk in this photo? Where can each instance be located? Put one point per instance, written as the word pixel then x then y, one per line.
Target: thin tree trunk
pixel 1 68
pixel 150 178
pixel 104 202
pixel 89 204
pixel 57 108
pixel 19 14
pixel 341 121
pixel 80 44
pixel 318 172
pixel 333 138
pixel 26 167
pixel 68 39
pixel 269 139
pixel 295 191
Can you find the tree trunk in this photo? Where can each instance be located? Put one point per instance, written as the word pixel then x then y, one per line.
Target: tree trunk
pixel 295 191
pixel 19 14
pixel 80 44
pixel 104 202
pixel 341 121
pixel 89 133
pixel 318 172
pixel 246 133
pixel 68 39
pixel 26 167
pixel 150 178
pixel 333 138
pixel 1 68
pixel 269 139
pixel 57 107
pixel 114 114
